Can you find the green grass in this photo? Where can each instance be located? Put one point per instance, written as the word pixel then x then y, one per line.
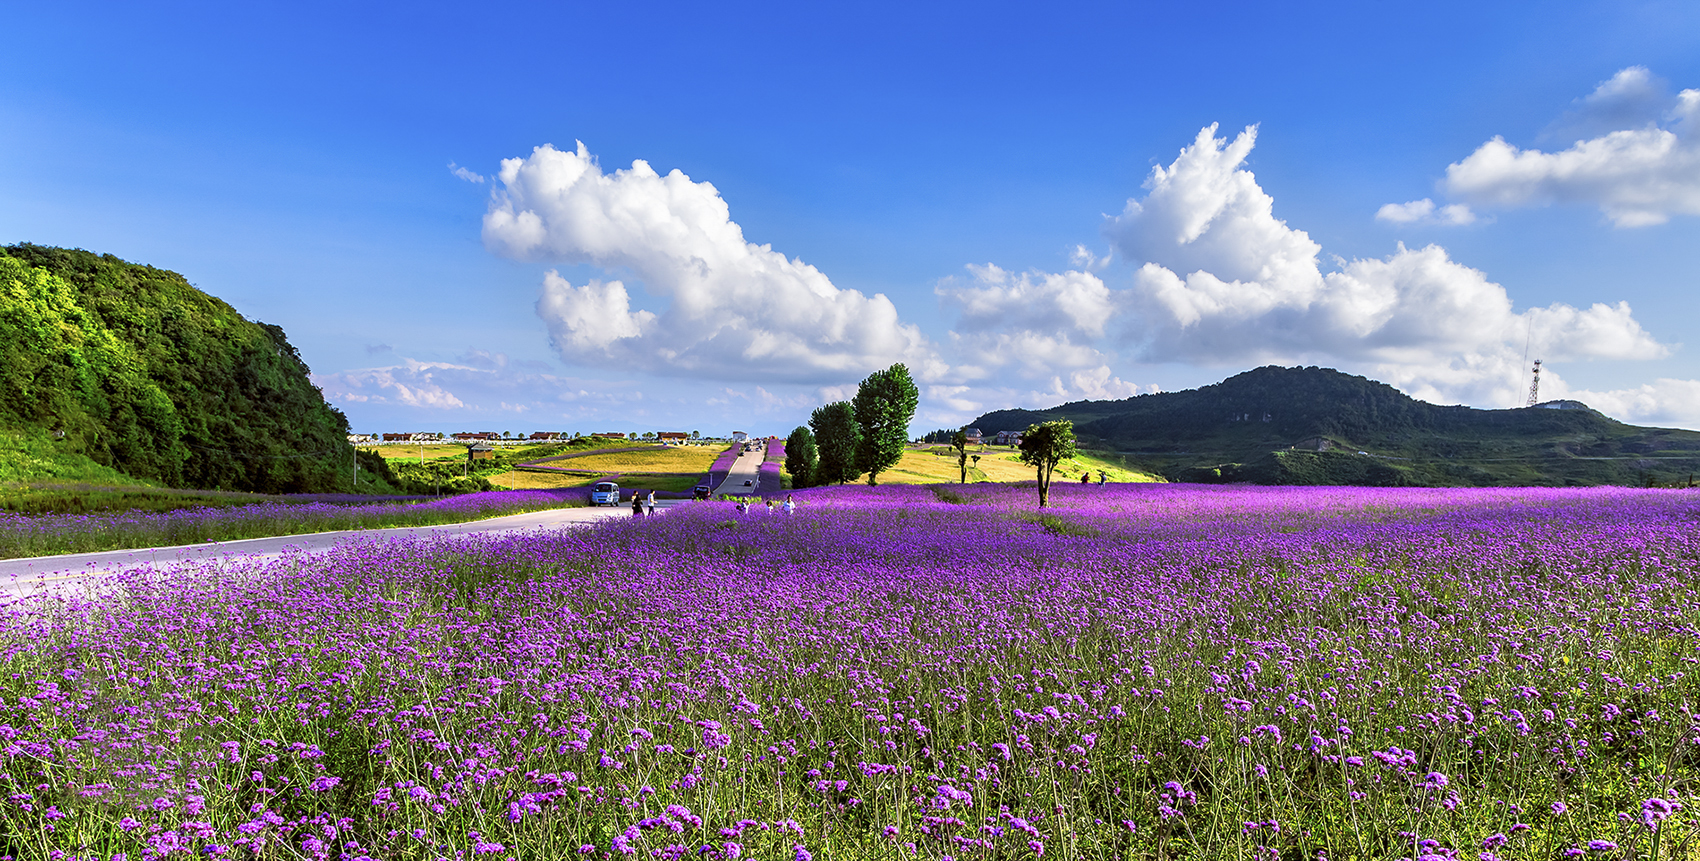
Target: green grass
pixel 33 456
pixel 53 498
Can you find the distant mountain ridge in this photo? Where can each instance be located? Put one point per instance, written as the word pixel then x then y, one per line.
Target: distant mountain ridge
pixel 135 369
pixel 1276 425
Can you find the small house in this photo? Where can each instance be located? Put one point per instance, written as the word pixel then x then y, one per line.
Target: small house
pixel 480 451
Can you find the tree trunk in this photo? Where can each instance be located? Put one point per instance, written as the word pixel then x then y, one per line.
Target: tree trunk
pixel 1044 487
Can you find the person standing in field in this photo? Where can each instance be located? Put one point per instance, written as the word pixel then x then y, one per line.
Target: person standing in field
pixel 1102 477
pixel 790 504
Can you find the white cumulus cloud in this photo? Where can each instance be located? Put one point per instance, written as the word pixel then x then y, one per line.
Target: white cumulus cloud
pixel 1221 280
pixel 732 309
pixel 1637 175
pixel 1041 326
pixel 1425 212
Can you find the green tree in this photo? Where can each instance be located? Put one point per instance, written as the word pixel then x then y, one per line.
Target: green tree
pixel 141 372
pixel 836 438
pixel 883 406
pixel 1045 445
pixel 801 457
pixel 959 441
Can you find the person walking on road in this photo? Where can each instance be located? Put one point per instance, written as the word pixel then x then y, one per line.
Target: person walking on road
pixel 637 504
pixel 649 503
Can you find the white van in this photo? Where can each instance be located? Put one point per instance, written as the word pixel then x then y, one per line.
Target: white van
pixel 605 493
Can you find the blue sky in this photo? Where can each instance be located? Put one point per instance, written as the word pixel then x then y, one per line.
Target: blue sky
pixel 945 185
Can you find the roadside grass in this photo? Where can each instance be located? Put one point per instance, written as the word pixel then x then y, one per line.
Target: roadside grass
pixel 80 498
pixel 50 534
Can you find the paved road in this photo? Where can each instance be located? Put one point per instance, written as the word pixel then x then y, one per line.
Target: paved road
pixel 19 577
pixel 744 469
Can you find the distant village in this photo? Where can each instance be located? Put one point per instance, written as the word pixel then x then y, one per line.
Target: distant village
pixel 975 437
pixel 509 438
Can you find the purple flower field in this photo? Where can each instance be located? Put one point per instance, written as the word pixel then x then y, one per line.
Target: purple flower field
pixel 1140 671
pixel 43 534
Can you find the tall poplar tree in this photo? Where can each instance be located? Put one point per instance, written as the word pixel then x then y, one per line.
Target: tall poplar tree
pixel 884 404
pixel 836 435
pixel 801 457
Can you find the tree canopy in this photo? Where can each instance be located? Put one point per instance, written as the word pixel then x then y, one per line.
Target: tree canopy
pixel 135 369
pixel 801 457
pixel 836 438
pixel 959 441
pixel 883 406
pixel 1043 446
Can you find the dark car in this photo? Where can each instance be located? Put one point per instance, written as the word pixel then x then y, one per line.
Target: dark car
pixel 748 482
pixel 701 491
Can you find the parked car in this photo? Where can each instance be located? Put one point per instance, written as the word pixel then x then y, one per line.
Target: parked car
pixel 701 491
pixel 605 493
pixel 748 483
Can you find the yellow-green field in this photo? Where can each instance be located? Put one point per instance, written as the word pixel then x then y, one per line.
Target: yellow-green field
pixel 694 458
pixel 404 452
pixel 527 480
pixel 937 465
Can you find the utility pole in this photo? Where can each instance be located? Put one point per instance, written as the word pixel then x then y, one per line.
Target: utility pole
pixel 1535 385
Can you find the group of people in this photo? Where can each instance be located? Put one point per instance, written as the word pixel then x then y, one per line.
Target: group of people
pixel 644 505
pixel 1086 477
pixel 788 506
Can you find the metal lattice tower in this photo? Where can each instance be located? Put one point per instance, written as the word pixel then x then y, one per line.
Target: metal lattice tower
pixel 1535 385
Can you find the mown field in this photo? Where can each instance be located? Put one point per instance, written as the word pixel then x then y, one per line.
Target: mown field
pixel 936 464
pixel 679 459
pixel 1140 671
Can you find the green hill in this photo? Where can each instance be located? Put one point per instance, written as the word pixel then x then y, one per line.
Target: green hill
pixel 1278 425
pixel 109 368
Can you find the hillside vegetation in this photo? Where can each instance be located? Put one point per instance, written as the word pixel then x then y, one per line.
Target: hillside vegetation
pixel 109 367
pixel 1308 426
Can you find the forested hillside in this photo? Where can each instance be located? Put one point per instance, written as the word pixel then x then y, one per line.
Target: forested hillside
pixel 1276 425
pixel 135 369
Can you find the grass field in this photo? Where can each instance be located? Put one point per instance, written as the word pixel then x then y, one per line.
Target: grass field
pixel 683 459
pixel 433 451
pixel 937 464
pixel 534 480
pixel 529 480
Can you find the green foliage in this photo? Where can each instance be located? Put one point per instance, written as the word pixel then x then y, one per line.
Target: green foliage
pixel 836 438
pixel 1238 430
pixel 33 454
pixel 1043 446
pixel 883 406
pixel 801 457
pixel 136 370
pixel 959 441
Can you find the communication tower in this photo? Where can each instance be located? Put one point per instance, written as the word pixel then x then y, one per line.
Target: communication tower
pixel 1535 385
